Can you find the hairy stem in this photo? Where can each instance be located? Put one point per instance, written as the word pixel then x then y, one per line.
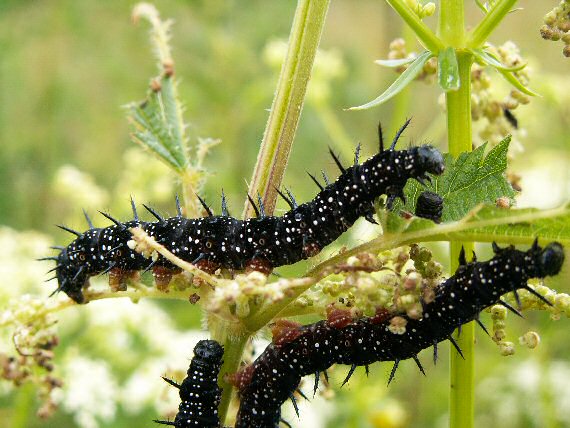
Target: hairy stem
pixel 234 346
pixel 288 102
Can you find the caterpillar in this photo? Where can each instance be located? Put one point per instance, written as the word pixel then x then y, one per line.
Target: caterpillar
pixel 199 392
pixel 298 350
pixel 261 243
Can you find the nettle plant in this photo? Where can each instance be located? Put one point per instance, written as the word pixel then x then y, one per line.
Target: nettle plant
pixel 386 286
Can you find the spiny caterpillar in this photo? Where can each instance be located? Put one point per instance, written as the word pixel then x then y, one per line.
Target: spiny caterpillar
pixel 199 392
pixel 261 243
pixel 299 350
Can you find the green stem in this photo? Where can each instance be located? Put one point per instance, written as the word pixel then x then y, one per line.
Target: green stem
pixel 451 28
pixel 423 32
pixel 462 369
pixel 483 30
pixel 458 104
pixel 451 23
pixel 288 102
pixel 234 345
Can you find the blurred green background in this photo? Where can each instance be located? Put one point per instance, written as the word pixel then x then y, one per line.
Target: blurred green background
pixel 66 69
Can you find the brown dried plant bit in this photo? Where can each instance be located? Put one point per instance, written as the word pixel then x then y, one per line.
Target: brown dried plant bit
pixel 503 202
pixel 168 67
pixel 515 180
pixel 194 298
pixel 155 85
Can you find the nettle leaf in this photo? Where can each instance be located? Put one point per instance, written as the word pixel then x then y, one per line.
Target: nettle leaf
pixel 157 122
pixel 516 226
pixel 467 182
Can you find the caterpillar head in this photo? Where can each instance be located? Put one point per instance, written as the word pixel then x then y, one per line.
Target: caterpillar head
pixel 71 276
pixel 209 350
pixel 429 160
pixel 548 260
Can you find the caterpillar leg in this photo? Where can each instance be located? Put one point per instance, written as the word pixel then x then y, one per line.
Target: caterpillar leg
pixel 162 276
pixel 258 264
pixel 118 278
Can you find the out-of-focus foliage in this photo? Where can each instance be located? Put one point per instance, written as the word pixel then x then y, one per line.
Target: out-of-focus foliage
pixel 67 68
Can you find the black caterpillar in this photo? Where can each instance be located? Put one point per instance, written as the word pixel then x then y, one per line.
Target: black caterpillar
pixel 199 392
pixel 298 350
pixel 260 243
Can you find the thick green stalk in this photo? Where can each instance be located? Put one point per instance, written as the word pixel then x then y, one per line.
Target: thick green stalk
pixel 483 30
pixel 462 370
pixel 288 102
pixel 458 105
pixel 451 29
pixel 234 345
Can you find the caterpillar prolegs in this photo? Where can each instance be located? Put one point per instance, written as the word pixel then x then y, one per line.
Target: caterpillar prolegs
pixel 261 243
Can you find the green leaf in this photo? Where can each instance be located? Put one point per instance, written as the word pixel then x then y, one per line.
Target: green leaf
pixel 517 226
pixel 158 125
pixel 488 58
pixel 448 70
pixel 401 82
pixel 512 79
pixel 470 180
pixel 392 63
pixel 173 116
pixel 482 224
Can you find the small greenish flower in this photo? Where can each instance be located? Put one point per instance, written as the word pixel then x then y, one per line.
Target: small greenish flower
pixel 557 26
pixel 530 339
pixel 507 348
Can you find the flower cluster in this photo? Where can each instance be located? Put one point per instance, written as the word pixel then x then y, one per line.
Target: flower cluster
pixel 34 338
pixel 500 119
pixel 531 339
pixel 557 26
